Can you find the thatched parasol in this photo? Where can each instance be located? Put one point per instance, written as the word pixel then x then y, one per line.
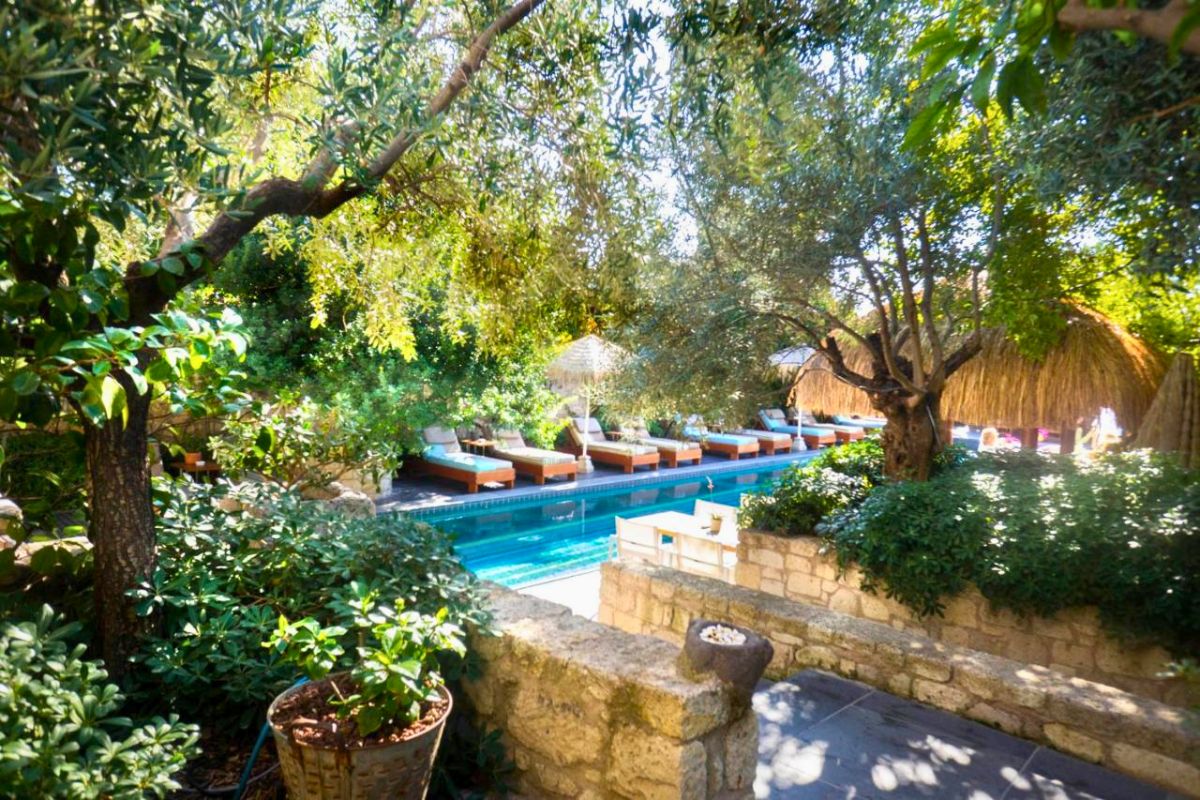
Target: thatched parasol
pixel 1172 424
pixel 1095 364
pixel 584 363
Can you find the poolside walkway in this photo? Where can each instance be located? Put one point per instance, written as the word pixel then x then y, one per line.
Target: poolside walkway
pixel 411 492
pixel 579 592
pixel 822 737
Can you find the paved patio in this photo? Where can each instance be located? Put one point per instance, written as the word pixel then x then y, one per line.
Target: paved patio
pixel 822 737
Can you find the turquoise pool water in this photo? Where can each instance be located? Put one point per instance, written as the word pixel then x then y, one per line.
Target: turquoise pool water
pixel 516 544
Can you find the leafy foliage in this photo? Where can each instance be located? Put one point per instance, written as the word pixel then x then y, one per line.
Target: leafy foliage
pixel 232 560
pixel 293 443
pixel 1038 534
pixel 59 737
pixel 394 669
pixel 43 472
pixel 838 478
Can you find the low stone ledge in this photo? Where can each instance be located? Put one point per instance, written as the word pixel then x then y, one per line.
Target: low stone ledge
pixel 590 711
pixel 1071 642
pixel 1153 741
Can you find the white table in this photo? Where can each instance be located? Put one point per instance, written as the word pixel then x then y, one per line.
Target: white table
pixel 676 523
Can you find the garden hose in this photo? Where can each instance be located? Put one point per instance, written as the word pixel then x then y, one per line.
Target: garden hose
pixel 262 738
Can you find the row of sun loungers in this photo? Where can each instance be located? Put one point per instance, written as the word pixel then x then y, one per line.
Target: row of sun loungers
pixel 628 448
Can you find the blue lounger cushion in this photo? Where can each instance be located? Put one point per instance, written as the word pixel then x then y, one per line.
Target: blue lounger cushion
pixel 468 462
pixel 720 438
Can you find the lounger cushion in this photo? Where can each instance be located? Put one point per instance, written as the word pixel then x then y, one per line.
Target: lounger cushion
pixel 436 454
pixel 624 448
pixel 535 455
pixel 448 439
pixel 770 436
pixel 699 432
pixel 673 445
pixel 587 427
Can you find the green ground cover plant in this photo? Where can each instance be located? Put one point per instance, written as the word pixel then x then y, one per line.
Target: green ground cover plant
pixel 1037 534
pixel 838 478
pixel 232 560
pixel 60 735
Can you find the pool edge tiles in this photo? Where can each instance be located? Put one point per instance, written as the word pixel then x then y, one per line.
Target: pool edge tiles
pixel 573 490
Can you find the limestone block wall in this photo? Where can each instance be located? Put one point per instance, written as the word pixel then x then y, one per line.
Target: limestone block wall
pixel 588 711
pixel 1150 740
pixel 1072 642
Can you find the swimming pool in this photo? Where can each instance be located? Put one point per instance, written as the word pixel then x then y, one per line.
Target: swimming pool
pixel 516 544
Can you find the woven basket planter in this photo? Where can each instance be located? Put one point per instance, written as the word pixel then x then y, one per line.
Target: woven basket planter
pixel 398 770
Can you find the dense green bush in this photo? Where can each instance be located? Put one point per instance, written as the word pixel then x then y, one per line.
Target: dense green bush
pixel 1041 533
pixel 225 576
pixel 839 477
pixel 44 473
pixel 58 735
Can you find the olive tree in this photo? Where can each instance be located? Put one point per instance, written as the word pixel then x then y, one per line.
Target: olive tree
pixel 177 124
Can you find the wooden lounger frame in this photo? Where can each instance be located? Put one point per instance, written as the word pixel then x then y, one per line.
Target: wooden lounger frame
pixel 473 480
pixel 540 472
pixel 770 448
pixel 734 451
pixel 813 441
pixel 673 457
pixel 626 461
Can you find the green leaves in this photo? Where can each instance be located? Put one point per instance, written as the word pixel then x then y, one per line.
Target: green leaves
pixel 57 708
pixel 1021 80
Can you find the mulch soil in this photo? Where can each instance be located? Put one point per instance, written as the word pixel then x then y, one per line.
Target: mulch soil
pixel 307 713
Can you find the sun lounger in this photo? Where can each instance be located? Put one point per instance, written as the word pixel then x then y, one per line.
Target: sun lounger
pixel 625 455
pixel 774 420
pixel 844 433
pixel 532 461
pixel 672 450
pixel 863 422
pixel 444 457
pixel 770 442
pixel 727 444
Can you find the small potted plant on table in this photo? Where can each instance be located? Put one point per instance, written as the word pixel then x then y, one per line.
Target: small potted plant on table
pixel 372 730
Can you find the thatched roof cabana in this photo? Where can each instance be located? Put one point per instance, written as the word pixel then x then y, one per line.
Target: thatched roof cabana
pixel 1095 364
pixel 1172 424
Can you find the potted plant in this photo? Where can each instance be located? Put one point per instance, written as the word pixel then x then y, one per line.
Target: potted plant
pixel 371 730
pixel 714 523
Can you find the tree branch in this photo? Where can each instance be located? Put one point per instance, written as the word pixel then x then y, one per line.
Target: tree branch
pixel 1157 24
pixel 309 196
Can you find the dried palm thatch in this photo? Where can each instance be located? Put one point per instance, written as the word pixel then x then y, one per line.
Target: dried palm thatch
pixel 1172 424
pixel 1095 364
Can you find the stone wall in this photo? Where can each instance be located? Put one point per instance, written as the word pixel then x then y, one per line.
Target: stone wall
pixel 1152 741
pixel 1071 642
pixel 588 711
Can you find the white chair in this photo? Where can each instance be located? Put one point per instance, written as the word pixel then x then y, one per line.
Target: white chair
pixel 642 542
pixel 704 510
pixel 703 557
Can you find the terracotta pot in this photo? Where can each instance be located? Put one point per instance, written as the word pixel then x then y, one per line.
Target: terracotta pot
pixel 398 770
pixel 191 458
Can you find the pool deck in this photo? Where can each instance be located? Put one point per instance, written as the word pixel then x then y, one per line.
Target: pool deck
pixel 411 493
pixel 822 737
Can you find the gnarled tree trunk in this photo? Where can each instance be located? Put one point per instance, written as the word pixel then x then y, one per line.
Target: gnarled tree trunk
pixel 121 527
pixel 911 438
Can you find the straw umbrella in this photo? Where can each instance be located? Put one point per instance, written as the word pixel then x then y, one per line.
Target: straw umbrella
pixel 1095 364
pixel 583 364
pixel 1172 424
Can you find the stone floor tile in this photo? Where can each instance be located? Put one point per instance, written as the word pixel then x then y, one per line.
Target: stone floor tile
pixel 1051 775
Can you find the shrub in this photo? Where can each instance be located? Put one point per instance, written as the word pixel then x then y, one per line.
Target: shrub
pixel 296 444
pixel 224 577
pixel 58 735
pixel 837 478
pixel 1038 534
pixel 394 670
pixel 44 473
